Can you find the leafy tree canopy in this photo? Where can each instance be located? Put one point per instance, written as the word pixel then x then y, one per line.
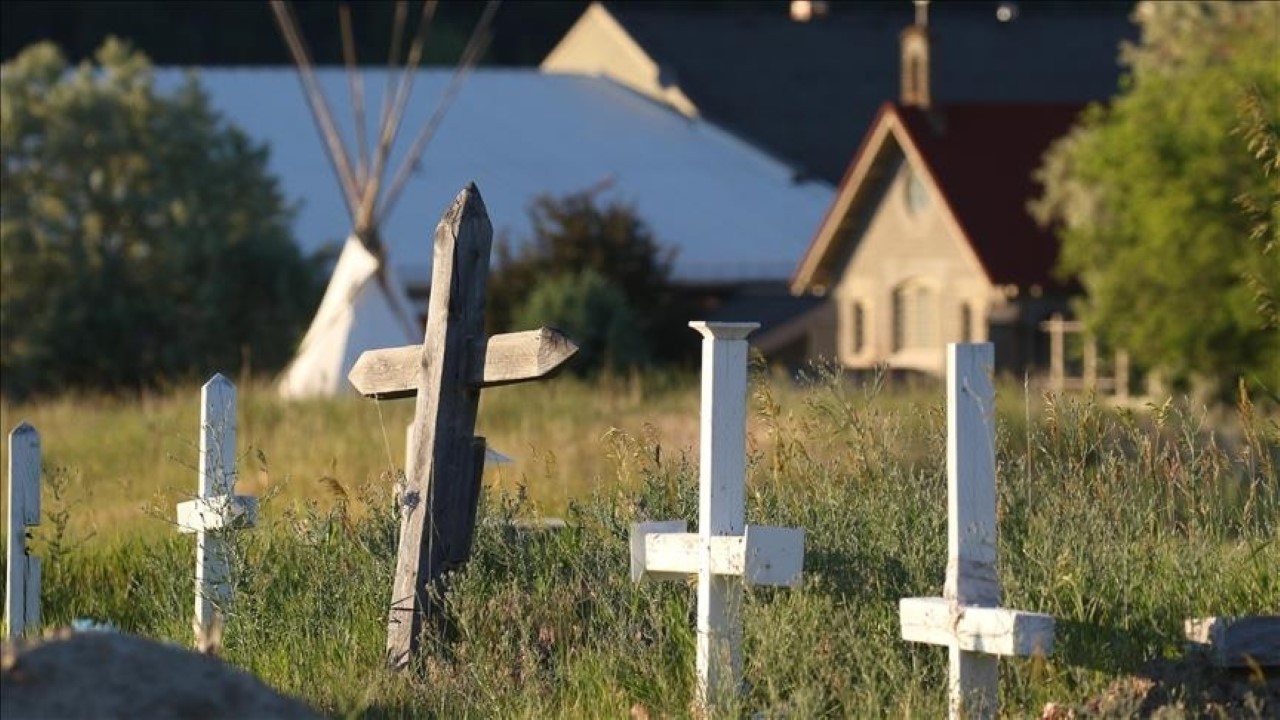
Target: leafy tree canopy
pixel 574 234
pixel 141 237
pixel 594 313
pixel 1162 198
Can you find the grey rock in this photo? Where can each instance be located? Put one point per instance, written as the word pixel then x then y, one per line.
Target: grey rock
pixel 113 675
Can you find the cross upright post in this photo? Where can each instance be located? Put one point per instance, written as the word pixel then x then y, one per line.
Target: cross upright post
pixel 968 618
pixel 721 496
pixel 725 553
pixel 216 508
pixel 22 572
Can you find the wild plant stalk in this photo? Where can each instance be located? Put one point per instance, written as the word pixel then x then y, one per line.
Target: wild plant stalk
pixel 1120 524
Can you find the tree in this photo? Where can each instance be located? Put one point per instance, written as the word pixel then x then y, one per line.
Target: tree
pixel 573 234
pixel 141 237
pixel 1262 136
pixel 592 311
pixel 1146 193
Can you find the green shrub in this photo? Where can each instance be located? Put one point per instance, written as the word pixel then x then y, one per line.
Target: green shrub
pixel 595 314
pixel 143 239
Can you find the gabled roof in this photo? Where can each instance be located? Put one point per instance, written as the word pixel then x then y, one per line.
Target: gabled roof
pixel 805 91
pixel 980 160
pixel 731 211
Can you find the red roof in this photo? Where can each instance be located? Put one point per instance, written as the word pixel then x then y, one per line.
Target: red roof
pixel 983 157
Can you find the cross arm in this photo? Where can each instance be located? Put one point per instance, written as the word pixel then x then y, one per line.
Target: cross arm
pixel 761 556
pixel 991 630
pixel 392 373
pixel 215 513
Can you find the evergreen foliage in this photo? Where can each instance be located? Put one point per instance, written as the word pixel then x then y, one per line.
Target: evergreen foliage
pixel 1148 194
pixel 573 234
pixel 143 238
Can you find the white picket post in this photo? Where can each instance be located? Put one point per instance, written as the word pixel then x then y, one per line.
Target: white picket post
pixel 216 507
pixel 22 576
pixel 968 618
pixel 725 553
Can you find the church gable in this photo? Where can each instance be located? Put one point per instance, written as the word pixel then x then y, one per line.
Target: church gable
pixel 911 282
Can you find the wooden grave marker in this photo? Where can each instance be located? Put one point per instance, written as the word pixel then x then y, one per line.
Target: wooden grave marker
pixel 22 576
pixel 1236 642
pixel 446 374
pixel 725 553
pixel 968 618
pixel 216 509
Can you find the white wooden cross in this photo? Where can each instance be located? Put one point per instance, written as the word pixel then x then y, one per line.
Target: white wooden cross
pixel 216 508
pixel 724 553
pixel 22 576
pixel 968 618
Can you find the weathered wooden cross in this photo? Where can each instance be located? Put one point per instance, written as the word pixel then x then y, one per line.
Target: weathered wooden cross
pixel 446 374
pixel 724 553
pixel 968 617
pixel 217 508
pixel 22 577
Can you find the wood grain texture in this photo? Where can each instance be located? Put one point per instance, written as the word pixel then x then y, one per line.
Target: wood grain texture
pixel 22 570
pixel 971 477
pixel 992 631
pixel 971 527
pixel 392 373
pixel 436 507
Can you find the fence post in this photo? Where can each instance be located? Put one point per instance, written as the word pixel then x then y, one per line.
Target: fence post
pixel 216 508
pixel 22 577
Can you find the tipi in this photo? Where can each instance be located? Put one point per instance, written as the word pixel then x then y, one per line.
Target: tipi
pixel 364 305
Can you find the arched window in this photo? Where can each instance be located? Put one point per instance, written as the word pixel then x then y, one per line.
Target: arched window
pixel 917 197
pixel 915 316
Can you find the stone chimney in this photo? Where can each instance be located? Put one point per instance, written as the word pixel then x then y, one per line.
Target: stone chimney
pixel 915 59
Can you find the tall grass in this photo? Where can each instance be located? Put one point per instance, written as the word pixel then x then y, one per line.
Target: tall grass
pixel 1120 524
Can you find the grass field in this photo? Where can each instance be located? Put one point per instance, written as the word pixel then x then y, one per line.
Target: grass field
pixel 1121 524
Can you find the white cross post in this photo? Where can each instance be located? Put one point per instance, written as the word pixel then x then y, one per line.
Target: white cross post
pixel 968 618
pixel 22 576
pixel 724 553
pixel 216 508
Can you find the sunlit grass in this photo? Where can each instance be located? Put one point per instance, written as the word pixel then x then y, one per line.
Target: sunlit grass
pixel 1121 524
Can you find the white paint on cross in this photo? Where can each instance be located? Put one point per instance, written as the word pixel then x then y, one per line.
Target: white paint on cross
pixel 725 552
pixel 216 508
pixel 22 576
pixel 968 618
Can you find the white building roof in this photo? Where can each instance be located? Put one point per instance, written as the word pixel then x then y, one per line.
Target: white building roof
pixel 730 210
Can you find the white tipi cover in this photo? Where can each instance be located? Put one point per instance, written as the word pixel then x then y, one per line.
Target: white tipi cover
pixel 357 313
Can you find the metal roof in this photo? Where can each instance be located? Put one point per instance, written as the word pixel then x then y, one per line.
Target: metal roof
pixel 807 91
pixel 731 211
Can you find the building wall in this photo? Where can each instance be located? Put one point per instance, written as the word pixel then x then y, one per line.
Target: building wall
pixel 598 45
pixel 910 248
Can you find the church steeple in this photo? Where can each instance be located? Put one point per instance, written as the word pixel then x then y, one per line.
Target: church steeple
pixel 915 59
